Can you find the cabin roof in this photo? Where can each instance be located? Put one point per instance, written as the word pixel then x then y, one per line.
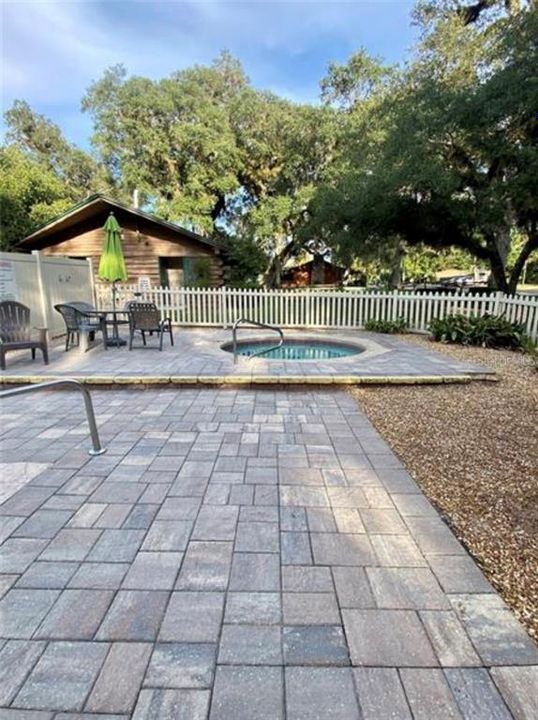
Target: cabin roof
pixel 95 204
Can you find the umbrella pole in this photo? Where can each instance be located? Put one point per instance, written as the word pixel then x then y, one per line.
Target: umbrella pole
pixel 115 333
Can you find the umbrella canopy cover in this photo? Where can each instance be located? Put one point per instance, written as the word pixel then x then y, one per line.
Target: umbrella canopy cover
pixel 112 263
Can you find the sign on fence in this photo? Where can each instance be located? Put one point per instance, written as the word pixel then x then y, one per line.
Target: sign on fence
pixel 8 282
pixel 326 309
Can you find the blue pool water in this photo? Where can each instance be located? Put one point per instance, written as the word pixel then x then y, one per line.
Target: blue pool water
pixel 296 349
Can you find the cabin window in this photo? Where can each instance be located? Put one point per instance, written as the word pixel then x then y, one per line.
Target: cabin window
pixel 185 271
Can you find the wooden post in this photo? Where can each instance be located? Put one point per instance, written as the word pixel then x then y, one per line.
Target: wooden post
pixel 92 282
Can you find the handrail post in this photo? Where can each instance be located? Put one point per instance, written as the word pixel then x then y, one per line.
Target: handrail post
pixel 97 448
pixel 241 321
pixel 234 342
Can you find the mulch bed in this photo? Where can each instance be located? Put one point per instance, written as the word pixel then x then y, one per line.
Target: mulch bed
pixel 473 449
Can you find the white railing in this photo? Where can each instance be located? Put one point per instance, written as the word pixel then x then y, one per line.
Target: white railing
pixel 325 309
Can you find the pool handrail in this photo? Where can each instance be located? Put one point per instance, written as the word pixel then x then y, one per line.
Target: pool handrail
pixel 248 321
pixel 97 448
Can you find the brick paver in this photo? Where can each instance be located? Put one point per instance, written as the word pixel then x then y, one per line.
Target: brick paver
pixel 237 555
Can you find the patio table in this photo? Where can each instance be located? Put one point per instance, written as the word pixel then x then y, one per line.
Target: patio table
pixel 113 313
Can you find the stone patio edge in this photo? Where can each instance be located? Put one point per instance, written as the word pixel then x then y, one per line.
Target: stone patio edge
pixel 218 380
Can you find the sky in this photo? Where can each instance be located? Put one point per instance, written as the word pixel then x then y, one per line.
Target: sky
pixel 52 51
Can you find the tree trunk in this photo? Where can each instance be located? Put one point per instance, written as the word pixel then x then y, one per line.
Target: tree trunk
pixel 498 273
pixel 395 279
pixel 530 246
pixel 272 276
pixel 497 262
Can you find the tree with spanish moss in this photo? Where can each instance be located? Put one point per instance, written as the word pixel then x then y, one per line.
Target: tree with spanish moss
pixel 446 152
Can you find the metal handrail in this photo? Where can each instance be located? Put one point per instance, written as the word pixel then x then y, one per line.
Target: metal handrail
pixel 76 385
pixel 247 321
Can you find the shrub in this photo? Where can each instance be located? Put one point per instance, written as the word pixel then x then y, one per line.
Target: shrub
pixel 492 331
pixel 386 326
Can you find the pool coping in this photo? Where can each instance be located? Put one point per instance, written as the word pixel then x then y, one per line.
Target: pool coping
pixel 242 380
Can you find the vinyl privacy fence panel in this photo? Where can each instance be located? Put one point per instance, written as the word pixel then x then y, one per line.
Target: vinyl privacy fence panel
pixel 40 282
pixel 346 309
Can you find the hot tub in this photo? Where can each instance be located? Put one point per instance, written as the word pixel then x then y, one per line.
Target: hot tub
pixel 295 349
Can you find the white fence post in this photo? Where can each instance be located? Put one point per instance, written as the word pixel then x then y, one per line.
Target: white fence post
pixel 43 294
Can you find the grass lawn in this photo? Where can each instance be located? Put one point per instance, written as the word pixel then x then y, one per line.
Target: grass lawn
pixel 473 449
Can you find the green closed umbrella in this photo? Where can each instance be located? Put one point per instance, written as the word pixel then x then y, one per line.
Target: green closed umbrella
pixel 112 263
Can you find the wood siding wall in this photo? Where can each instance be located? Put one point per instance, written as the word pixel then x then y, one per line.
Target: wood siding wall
pixel 143 244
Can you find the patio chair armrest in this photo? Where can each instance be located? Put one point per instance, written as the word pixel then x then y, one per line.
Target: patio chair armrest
pixel 42 333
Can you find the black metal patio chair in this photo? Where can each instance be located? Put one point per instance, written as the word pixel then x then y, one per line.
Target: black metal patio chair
pixel 146 318
pixel 81 322
pixel 17 333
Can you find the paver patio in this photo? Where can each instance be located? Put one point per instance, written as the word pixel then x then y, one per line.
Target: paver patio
pixel 197 357
pixel 235 555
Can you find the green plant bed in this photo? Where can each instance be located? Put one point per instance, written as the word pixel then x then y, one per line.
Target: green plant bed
pixel 492 331
pixel 386 326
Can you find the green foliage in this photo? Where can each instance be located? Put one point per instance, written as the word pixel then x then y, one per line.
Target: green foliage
pixel 492 331
pixel 360 78
pixel 445 153
pixel 171 139
pixel 212 152
pixel 45 144
pixel 387 326
pixel 245 261
pixel 421 263
pixel 29 196
pixel 201 268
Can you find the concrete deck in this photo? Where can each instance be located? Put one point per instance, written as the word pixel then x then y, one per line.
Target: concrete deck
pixel 197 357
pixel 237 555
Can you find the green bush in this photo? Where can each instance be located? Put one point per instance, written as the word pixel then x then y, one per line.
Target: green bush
pixel 492 331
pixel 387 326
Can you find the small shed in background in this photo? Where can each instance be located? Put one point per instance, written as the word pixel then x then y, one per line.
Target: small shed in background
pixel 316 271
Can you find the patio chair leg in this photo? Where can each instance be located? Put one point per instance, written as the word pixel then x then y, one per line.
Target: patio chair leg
pixel 33 353
pixel 131 339
pixel 161 335
pixel 105 334
pixel 2 360
pixel 45 351
pixel 144 336
pixel 171 335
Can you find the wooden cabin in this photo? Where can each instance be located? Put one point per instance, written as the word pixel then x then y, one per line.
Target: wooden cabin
pixel 317 271
pixel 165 253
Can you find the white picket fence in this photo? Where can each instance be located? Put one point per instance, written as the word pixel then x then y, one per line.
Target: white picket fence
pixel 320 309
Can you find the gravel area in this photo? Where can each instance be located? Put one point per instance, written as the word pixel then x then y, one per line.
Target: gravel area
pixel 474 451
